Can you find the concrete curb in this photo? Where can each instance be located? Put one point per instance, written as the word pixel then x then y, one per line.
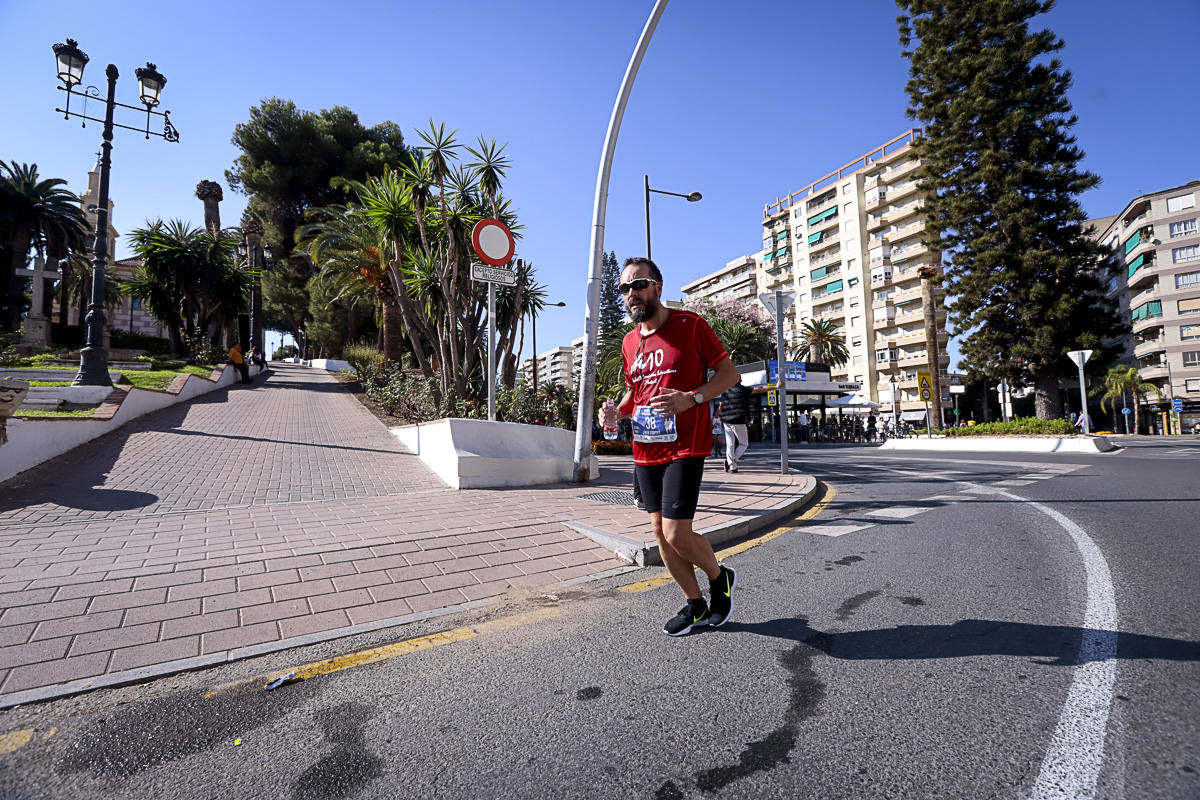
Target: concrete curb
pixel 999 444
pixel 143 674
pixel 645 554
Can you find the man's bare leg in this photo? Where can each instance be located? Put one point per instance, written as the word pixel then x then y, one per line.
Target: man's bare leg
pixel 683 551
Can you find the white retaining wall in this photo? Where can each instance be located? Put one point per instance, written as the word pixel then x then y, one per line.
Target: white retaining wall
pixel 477 454
pixel 34 440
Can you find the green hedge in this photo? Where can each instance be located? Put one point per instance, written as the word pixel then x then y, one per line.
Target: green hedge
pixel 1021 426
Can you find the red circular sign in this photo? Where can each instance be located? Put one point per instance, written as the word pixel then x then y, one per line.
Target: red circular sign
pixel 493 242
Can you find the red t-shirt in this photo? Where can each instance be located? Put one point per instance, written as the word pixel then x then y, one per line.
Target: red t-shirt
pixel 675 356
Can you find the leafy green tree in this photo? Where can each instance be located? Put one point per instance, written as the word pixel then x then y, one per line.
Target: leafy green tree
pixel 1024 281
pixel 820 342
pixel 35 213
pixel 189 279
pixel 292 160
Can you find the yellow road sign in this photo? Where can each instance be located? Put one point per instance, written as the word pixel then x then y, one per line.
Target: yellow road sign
pixel 772 397
pixel 926 395
pixel 924 381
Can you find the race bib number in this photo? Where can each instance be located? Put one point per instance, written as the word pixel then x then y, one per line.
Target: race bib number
pixel 650 426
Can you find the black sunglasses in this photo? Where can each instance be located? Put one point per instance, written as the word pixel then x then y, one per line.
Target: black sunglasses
pixel 636 285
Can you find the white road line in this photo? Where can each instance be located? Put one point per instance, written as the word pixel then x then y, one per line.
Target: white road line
pixel 831 529
pixel 899 512
pixel 1071 768
pixel 1016 482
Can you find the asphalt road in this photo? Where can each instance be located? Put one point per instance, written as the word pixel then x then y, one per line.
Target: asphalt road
pixel 921 636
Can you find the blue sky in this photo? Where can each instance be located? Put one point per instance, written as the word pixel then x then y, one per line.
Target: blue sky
pixel 744 102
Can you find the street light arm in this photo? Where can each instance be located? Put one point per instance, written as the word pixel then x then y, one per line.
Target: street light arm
pixel 674 194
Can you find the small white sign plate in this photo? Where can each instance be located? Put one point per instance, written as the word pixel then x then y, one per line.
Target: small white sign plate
pixel 504 277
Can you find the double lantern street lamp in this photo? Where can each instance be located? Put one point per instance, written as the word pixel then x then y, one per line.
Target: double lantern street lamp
pixel 691 198
pixel 256 256
pixel 93 362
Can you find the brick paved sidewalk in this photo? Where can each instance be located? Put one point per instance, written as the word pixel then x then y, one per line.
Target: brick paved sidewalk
pixel 266 516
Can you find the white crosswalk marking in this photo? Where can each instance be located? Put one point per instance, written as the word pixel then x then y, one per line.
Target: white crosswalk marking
pixel 899 512
pixel 831 529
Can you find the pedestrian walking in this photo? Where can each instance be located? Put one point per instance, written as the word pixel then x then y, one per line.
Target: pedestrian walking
pixel 805 431
pixel 666 359
pixel 734 411
pixel 239 361
pixel 872 426
pixel 718 434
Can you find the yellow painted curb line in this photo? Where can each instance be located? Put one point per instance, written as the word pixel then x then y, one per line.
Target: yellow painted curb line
pixel 664 578
pixel 377 654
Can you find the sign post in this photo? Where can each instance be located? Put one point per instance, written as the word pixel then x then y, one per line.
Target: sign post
pixel 494 244
pixel 925 391
pixel 778 302
pixel 1080 357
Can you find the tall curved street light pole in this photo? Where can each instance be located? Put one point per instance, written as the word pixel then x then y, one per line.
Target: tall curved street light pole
pixel 587 381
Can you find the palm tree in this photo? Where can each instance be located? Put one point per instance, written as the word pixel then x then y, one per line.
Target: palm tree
pixel 1122 379
pixel 188 279
pixel 34 213
pixel 820 342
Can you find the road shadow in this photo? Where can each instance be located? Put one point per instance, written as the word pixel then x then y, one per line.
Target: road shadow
pixel 1051 645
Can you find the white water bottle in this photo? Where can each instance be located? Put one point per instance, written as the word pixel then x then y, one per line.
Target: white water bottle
pixel 609 415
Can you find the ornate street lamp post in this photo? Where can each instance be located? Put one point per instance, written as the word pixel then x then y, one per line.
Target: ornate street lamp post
pixel 257 257
pixel 93 361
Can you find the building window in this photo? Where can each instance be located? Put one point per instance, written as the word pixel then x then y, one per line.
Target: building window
pixel 846 187
pixel 1180 203
pixel 852 281
pixel 1191 358
pixel 1182 254
pixel 1185 280
pixel 851 263
pixel 858 378
pixel 854 322
pixel 1189 332
pixel 856 343
pixel 1191 306
pixel 1185 228
pixel 1193 384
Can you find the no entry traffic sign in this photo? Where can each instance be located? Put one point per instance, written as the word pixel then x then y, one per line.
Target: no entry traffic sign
pixel 493 242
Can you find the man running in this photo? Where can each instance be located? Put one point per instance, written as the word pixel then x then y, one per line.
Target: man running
pixel 666 359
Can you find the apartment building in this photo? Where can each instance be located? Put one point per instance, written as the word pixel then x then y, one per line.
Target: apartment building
pixel 1157 242
pixel 849 246
pixel 737 280
pixel 556 364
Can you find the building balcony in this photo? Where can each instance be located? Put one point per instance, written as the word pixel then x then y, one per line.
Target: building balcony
pixel 876 222
pixel 824 244
pixel 874 198
pixel 903 169
pixel 881 278
pixel 819 204
pixel 903 232
pixel 828 255
pixel 1146 323
pixel 1140 272
pixel 899 192
pixel 897 213
pixel 1151 293
pixel 1138 213
pixel 1148 347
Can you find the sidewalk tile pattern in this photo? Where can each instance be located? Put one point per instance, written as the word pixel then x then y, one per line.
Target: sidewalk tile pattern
pixel 256 514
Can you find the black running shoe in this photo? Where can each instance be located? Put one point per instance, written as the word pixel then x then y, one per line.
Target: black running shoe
pixel 693 615
pixel 721 591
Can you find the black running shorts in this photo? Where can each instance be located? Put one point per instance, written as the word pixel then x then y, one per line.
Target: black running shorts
pixel 672 488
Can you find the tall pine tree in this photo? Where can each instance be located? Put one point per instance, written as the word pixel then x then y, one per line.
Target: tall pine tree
pixel 612 305
pixel 1024 281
